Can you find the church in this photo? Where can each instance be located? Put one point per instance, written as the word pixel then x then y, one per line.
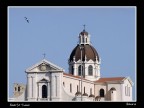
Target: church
pixel 48 82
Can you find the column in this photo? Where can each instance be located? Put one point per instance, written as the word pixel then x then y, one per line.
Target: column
pixel 37 90
pixel 53 86
pixel 60 85
pixel 95 70
pixel 56 86
pixel 40 91
pixel 75 71
pixel 98 70
pixel 122 92
pixel 29 87
pixel 48 90
pixel 84 70
pixel 34 87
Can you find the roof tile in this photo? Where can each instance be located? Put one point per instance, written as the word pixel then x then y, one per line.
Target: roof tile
pixel 101 80
pixel 110 79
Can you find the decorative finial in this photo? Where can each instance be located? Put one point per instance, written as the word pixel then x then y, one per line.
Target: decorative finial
pixel 84 27
pixel 44 55
pixel 96 58
pixel 74 58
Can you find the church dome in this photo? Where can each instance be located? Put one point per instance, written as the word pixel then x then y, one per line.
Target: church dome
pixel 88 53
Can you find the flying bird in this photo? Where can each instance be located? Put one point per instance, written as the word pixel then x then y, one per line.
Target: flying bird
pixel 26 19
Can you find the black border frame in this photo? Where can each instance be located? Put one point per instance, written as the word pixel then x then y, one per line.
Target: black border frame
pixel 4 6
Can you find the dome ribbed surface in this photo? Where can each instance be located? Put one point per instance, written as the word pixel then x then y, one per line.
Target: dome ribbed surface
pixel 88 50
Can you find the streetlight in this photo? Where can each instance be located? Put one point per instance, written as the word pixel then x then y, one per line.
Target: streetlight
pixel 81 48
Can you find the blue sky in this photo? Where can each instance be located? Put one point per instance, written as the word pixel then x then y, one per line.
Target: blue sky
pixel 54 31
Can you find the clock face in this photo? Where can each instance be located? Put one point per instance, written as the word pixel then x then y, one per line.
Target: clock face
pixel 43 67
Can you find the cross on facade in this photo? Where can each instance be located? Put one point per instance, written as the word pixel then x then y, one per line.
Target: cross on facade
pixel 44 55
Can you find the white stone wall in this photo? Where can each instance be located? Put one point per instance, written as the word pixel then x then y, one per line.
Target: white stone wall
pixel 126 91
pixel 107 92
pixel 86 64
pixel 118 90
pixel 32 86
pixel 74 81
pixel 66 96
pixel 58 86
pixel 96 70
pixel 56 89
pixel 113 94
pixel 61 91
pixel 98 87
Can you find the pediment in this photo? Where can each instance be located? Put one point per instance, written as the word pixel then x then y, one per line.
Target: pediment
pixel 44 66
pixel 43 80
pixel 90 61
pixel 129 80
pixel 79 61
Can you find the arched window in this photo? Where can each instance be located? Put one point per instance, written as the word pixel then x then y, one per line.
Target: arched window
pixel 86 40
pixel 72 70
pixel 70 87
pixel 84 89
pixel 101 92
pixel 79 70
pixel 77 88
pixel 44 91
pixel 127 90
pixel 83 39
pixel 90 70
pixel 15 88
pixel 18 88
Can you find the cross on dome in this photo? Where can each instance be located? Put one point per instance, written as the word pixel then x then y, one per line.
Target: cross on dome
pixel 84 27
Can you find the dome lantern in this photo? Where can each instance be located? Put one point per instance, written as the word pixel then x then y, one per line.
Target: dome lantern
pixel 84 37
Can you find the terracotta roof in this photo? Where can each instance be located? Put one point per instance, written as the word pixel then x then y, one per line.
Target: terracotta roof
pixel 110 79
pixel 101 80
pixel 67 74
pixel 89 51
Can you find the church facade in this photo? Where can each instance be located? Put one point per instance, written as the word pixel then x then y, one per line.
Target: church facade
pixel 49 82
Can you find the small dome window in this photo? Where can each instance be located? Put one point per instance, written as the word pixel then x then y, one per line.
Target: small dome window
pixel 18 88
